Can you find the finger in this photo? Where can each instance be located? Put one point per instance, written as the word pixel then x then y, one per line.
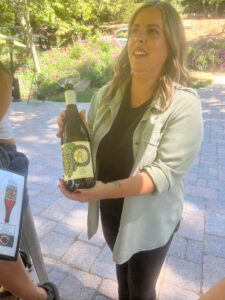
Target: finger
pixel 72 196
pixel 58 134
pixel 63 114
pixel 83 117
pixel 83 114
pixel 59 121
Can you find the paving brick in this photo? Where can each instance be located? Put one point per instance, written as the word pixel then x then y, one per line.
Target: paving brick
pixel 221 161
pixel 208 148
pixel 58 273
pixel 215 224
pixel 109 288
pixel 77 218
pixel 36 210
pixel 221 150
pixel 97 240
pixel 34 189
pixel 171 292
pixel 67 230
pixel 81 255
pixel 101 297
pixel 202 182
pixel 79 285
pixel 213 172
pixel 208 157
pixel 104 265
pixel 38 221
pixel 194 205
pixel 194 252
pixel 200 192
pixel 191 227
pixel 40 179
pixel 200 169
pixel 178 247
pixel 49 263
pixel 46 228
pixel 59 209
pixel 216 184
pixel 190 178
pixel 183 274
pixel 55 245
pixel 214 246
pixel 43 200
pixel 217 205
pixel 213 271
pixel 222 173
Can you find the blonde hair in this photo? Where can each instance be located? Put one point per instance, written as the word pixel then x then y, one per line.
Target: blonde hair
pixel 174 69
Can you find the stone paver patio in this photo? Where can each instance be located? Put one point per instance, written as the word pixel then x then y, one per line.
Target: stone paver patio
pixel 82 269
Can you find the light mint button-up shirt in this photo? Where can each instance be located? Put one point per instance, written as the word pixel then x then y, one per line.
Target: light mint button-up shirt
pixel 165 145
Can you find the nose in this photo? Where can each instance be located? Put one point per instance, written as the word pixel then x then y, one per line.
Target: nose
pixel 141 36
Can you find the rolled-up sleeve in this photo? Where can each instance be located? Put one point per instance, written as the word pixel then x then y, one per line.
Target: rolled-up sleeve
pixel 179 144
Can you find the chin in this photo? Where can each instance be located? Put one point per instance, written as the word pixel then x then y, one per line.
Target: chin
pixel 139 71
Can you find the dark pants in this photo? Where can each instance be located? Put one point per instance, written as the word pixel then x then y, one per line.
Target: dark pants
pixel 138 276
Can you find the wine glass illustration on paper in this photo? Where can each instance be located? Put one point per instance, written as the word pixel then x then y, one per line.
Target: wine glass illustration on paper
pixel 10 200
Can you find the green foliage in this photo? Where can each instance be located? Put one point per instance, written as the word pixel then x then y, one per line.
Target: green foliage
pixel 210 56
pixel 177 4
pixel 93 58
pixel 7 17
pixel 199 81
pixel 208 7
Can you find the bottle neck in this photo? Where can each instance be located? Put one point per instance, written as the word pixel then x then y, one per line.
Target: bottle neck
pixel 70 97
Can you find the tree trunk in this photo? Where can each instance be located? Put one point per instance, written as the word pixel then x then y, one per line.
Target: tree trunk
pixel 217 4
pixel 24 19
pixel 204 8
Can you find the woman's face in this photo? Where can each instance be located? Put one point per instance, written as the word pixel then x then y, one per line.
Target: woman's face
pixel 147 44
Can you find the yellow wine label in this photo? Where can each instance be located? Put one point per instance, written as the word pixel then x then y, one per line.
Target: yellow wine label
pixel 77 162
pixel 70 97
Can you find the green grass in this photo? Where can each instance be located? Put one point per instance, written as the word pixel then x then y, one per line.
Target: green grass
pixel 87 95
pixel 198 81
pixel 81 97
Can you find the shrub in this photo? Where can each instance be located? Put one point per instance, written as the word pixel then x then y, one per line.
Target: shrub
pixel 93 58
pixel 211 56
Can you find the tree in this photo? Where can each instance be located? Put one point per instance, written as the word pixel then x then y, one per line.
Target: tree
pixel 21 10
pixel 23 14
pixel 209 7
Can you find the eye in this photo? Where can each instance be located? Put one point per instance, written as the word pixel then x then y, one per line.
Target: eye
pixel 134 31
pixel 152 31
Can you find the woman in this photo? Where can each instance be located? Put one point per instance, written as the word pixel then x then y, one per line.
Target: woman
pixel 146 130
pixel 14 279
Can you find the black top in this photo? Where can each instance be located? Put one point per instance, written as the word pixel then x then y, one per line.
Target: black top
pixel 115 153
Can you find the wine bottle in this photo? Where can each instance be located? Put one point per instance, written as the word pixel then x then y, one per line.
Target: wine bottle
pixel 76 149
pixel 10 200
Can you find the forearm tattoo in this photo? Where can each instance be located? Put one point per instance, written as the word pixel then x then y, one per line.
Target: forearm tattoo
pixel 117 183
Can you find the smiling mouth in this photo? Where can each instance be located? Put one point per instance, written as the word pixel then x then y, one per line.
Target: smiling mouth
pixel 139 53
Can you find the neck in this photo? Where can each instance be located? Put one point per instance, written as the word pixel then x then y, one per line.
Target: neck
pixel 141 90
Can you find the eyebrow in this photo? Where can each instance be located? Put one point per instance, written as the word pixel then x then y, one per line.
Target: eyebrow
pixel 148 25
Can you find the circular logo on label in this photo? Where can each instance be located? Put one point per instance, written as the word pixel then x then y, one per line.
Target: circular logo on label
pixel 4 239
pixel 81 155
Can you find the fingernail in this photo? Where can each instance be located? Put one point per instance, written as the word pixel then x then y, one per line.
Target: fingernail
pixel 77 192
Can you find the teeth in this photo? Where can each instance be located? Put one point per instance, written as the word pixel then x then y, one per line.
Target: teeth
pixel 139 53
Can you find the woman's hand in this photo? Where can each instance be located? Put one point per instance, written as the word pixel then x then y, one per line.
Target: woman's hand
pixel 62 117
pixel 60 121
pixel 85 195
